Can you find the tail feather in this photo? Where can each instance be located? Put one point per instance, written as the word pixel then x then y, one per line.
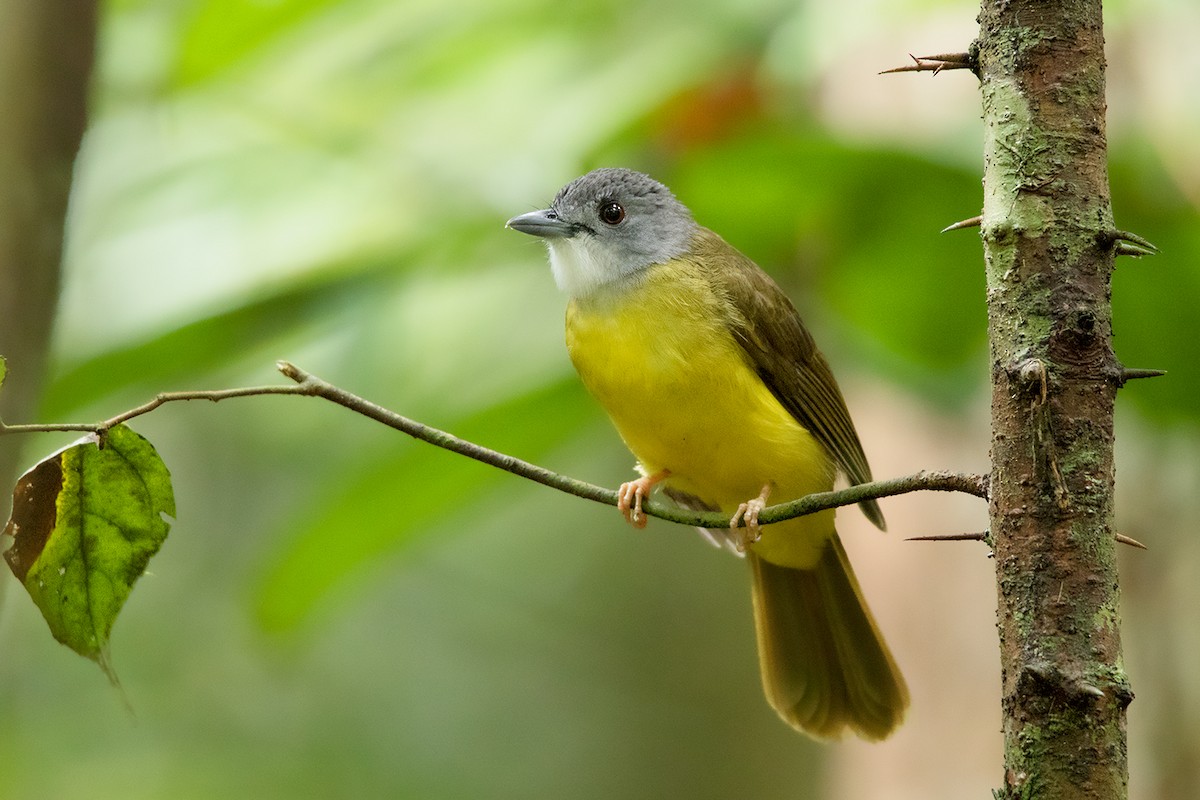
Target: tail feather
pixel 825 666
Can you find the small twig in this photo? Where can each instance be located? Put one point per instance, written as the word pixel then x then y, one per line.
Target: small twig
pixel 311 386
pixel 973 222
pixel 936 64
pixel 162 398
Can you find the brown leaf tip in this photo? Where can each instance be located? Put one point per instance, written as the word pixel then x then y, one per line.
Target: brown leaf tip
pixel 34 514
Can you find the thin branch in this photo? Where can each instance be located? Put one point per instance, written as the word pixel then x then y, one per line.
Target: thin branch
pixel 316 387
pixel 159 399
pixel 923 481
pixel 309 385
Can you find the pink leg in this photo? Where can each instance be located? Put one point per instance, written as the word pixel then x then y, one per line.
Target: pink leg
pixel 631 494
pixel 748 513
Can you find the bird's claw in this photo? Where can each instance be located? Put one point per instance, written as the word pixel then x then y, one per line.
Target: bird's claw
pixel 747 516
pixel 631 494
pixel 629 502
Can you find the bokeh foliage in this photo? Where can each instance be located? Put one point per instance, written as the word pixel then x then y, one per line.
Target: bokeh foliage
pixel 342 612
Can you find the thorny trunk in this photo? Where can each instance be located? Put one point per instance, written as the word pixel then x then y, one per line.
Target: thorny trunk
pixel 1050 246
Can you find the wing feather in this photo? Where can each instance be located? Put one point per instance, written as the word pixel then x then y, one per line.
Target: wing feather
pixel 768 328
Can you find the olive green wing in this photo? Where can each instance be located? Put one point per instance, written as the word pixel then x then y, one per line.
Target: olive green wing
pixel 782 351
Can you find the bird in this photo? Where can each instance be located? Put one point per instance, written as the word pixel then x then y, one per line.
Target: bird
pixel 717 388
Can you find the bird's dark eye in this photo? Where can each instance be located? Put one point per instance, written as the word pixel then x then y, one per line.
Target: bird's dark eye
pixel 612 213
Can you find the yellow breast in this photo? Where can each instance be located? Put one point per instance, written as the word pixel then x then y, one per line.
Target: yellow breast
pixel 657 353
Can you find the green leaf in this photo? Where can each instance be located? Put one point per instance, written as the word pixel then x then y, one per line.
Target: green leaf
pixel 85 522
pixel 3 369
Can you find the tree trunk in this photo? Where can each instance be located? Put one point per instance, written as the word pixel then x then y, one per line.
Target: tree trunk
pixel 46 54
pixel 1049 246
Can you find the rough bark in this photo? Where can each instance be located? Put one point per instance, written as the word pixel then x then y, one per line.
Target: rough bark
pixel 1049 247
pixel 46 54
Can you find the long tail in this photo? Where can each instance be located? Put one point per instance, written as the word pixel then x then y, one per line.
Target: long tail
pixel 825 666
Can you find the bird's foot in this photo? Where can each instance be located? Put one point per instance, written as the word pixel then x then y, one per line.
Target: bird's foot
pixel 747 516
pixel 631 494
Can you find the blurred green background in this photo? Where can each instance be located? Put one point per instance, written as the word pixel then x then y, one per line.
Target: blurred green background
pixel 342 612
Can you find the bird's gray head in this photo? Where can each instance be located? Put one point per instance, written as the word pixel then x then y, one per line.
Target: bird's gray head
pixel 608 225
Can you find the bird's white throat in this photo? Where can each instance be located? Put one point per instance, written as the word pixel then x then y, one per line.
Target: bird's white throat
pixel 581 264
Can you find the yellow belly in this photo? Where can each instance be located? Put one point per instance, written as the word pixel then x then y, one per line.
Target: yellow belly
pixel 660 359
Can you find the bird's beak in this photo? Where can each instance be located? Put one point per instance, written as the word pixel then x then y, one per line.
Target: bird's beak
pixel 545 223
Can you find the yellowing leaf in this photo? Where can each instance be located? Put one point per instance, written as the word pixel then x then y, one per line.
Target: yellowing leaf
pixel 85 522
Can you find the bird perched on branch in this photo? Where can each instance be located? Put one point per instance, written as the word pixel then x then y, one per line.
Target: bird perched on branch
pixel 716 386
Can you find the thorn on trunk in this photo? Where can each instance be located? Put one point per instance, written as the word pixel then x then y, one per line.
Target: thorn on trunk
pixel 973 222
pixel 953 537
pixel 1131 542
pixel 1125 243
pixel 1134 374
